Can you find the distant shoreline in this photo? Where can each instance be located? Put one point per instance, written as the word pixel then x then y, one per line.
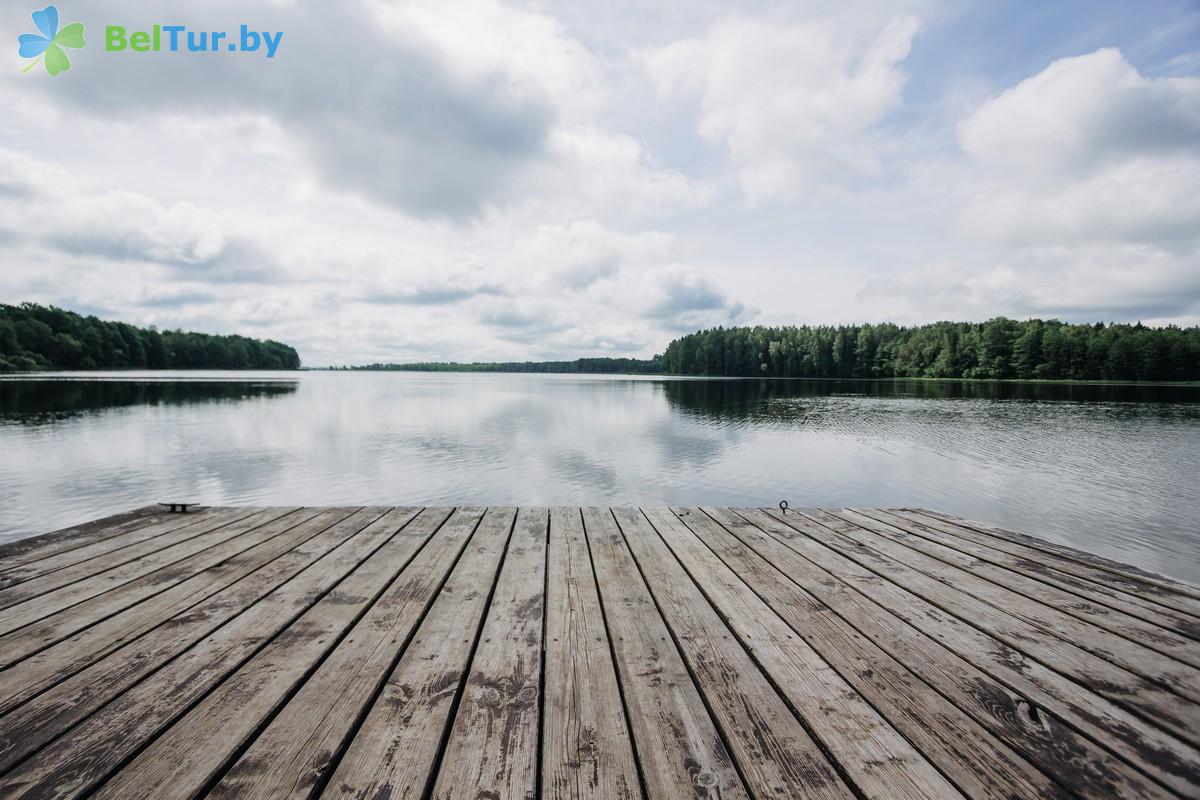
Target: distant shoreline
pixel 35 339
pixel 1046 381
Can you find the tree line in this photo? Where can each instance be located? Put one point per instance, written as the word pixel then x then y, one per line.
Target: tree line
pixel 593 366
pixel 998 349
pixel 35 337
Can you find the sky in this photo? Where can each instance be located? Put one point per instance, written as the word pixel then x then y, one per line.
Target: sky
pixel 484 180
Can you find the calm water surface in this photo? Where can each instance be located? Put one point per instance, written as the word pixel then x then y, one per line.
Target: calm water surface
pixel 1112 470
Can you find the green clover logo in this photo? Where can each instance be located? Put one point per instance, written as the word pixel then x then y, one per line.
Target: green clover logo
pixel 51 41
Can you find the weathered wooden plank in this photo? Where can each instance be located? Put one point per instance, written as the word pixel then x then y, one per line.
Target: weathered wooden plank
pixel 1040 688
pixel 978 762
pixel 1042 630
pixel 587 753
pixel 39 607
pixel 1125 591
pixel 677 742
pixel 775 755
pixel 878 653
pixel 395 751
pixel 67 548
pixel 874 757
pixel 1181 596
pixel 253 530
pixel 382 597
pixel 185 617
pixel 34 548
pixel 85 755
pixel 297 750
pixel 45 716
pixel 493 744
pixel 1087 606
pixel 164 535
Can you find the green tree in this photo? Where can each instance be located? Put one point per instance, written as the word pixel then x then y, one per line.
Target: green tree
pixel 43 337
pixel 998 348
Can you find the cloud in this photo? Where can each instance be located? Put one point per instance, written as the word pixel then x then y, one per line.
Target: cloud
pixel 482 180
pixel 685 301
pixel 67 216
pixel 514 317
pixel 429 295
pixel 686 293
pixel 476 38
pixel 1079 197
pixel 601 170
pixel 1078 284
pixel 1085 113
pixel 431 111
pixel 581 275
pixel 1088 149
pixel 176 300
pixel 60 211
pixel 525 322
pixel 404 118
pixel 1142 199
pixel 584 253
pixel 127 226
pixel 1092 171
pixel 791 103
pixel 494 291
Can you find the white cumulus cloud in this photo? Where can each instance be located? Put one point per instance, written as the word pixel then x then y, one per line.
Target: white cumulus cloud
pixel 1084 113
pixel 789 102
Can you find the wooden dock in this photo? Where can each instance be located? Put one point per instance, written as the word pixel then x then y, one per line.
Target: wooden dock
pixel 504 654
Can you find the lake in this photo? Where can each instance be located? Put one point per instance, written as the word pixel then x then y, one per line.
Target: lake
pixel 1109 469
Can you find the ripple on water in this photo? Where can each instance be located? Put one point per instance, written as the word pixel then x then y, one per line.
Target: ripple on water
pixel 1107 473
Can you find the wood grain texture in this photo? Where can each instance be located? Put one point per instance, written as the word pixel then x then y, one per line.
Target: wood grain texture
pixel 47 687
pixel 587 753
pixel 293 754
pixel 677 741
pixel 493 745
pixel 33 548
pixel 1040 688
pixel 179 583
pixel 1184 597
pixel 185 758
pixel 776 755
pixel 32 603
pixel 1132 596
pixel 40 577
pixel 1108 665
pixel 919 701
pixel 876 758
pixel 83 756
pixel 394 753
pixel 84 559
pixel 588 654
pixel 1124 639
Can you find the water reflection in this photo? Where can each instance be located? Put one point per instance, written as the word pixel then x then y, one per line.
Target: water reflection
pixel 1110 469
pixel 766 400
pixel 46 401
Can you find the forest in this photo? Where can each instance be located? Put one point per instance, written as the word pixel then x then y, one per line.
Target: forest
pixel 998 349
pixel 594 366
pixel 35 337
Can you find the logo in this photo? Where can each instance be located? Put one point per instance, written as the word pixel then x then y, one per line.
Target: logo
pixel 179 39
pixel 47 47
